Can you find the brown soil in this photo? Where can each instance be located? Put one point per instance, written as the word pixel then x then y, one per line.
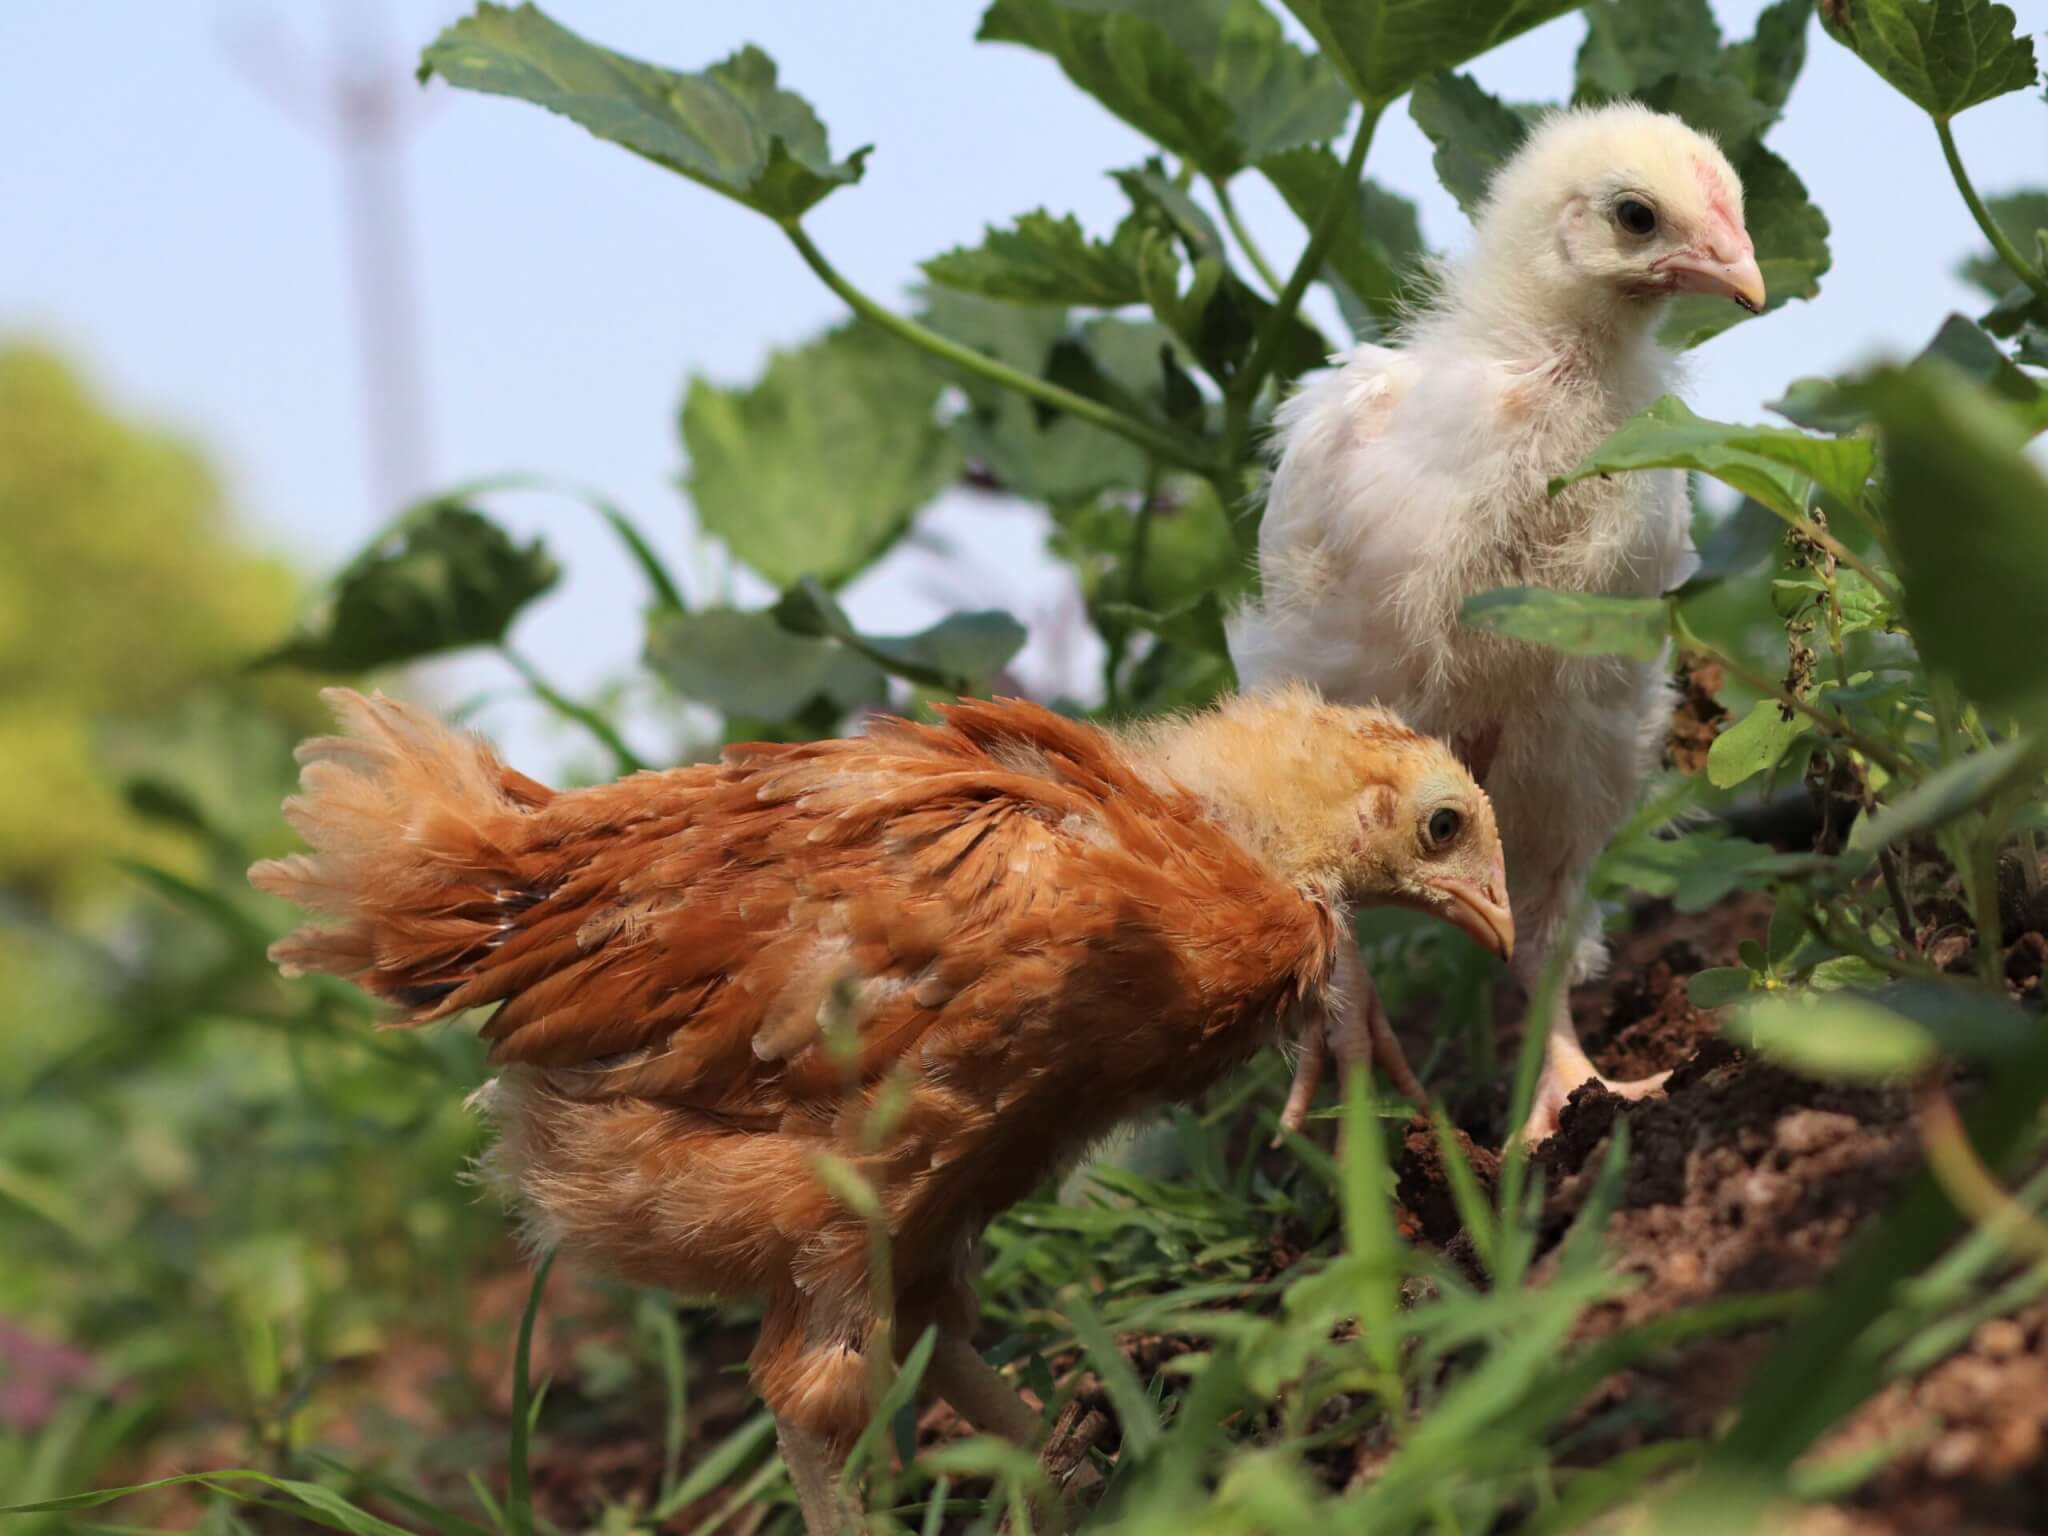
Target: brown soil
pixel 1746 1179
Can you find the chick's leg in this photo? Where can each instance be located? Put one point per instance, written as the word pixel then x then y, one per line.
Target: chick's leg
pixel 814 1473
pixel 1352 1027
pixel 979 1393
pixel 1566 1068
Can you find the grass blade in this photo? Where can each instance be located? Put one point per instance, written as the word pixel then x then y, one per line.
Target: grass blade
pixel 518 1474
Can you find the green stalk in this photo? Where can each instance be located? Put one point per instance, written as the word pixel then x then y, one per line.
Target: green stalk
pixel 1245 388
pixel 1832 723
pixel 1983 884
pixel 1252 252
pixel 1809 529
pixel 2008 253
pixel 628 760
pixel 1170 446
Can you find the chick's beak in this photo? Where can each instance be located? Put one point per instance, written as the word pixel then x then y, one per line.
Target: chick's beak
pixel 1480 911
pixel 1722 266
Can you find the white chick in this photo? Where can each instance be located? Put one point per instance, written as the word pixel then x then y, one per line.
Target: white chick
pixel 1412 477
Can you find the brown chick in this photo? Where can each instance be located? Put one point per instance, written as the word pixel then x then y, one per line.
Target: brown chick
pixel 1028 930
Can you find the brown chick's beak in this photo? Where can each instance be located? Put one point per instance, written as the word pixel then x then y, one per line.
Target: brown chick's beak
pixel 1730 274
pixel 1479 913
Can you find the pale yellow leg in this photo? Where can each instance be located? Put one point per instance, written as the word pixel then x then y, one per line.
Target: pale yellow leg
pixel 1565 1067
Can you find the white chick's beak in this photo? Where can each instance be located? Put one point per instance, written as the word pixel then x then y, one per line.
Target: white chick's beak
pixel 1722 263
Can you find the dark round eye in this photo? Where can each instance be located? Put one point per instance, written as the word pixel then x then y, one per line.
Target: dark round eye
pixel 1636 216
pixel 1444 825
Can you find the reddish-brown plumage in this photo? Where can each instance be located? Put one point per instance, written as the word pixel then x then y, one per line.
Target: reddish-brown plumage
pixel 1026 929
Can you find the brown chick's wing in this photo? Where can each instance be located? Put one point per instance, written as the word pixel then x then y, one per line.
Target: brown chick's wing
pixel 1002 901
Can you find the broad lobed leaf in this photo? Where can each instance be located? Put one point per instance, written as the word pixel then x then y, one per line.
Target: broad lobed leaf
pixel 1375 258
pixel 729 127
pixel 444 578
pixel 1577 623
pixel 1045 260
pixel 1474 133
pixel 748 666
pixel 1945 56
pixel 817 468
pixel 1969 513
pixel 959 654
pixel 1775 465
pixel 1384 47
pixel 1213 80
pixel 2022 216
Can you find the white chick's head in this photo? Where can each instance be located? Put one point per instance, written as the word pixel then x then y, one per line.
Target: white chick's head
pixel 1612 208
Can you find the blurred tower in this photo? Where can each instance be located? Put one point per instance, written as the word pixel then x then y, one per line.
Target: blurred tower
pixel 362 100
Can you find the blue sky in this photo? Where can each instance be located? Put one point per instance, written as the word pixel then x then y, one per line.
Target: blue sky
pixel 178 230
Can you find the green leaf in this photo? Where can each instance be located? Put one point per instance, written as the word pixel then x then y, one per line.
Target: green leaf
pixel 1196 625
pixel 1040 455
pixel 1213 80
pixel 1967 784
pixel 1218 318
pixel 1718 987
pixel 1385 46
pixel 1044 260
pixel 443 578
pixel 1771 59
pixel 1845 971
pixel 1668 55
pixel 1821 405
pixel 1633 43
pixel 1969 514
pixel 1376 255
pixel 819 467
pixel 2019 215
pixel 1151 189
pixel 1475 134
pixel 1944 55
pixel 958 654
pixel 1752 745
pixel 1774 465
pixel 1791 238
pixel 729 127
pixel 1577 623
pixel 1833 1035
pixel 1971 351
pixel 748 667
pixel 322 1504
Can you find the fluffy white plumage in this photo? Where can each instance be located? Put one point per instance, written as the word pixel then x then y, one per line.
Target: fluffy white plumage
pixel 1410 478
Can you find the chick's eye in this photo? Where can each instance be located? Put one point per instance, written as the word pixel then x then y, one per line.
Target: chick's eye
pixel 1636 216
pixel 1444 824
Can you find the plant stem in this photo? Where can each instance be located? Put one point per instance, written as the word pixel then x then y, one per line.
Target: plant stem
pixel 2008 253
pixel 628 760
pixel 1244 236
pixel 1833 724
pixel 1972 1187
pixel 1170 446
pixel 1809 529
pixel 1244 388
pixel 1983 886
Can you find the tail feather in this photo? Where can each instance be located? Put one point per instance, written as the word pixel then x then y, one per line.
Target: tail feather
pixel 416 831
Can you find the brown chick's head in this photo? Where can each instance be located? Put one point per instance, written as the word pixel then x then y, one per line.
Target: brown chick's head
pixel 1617 204
pixel 1346 803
